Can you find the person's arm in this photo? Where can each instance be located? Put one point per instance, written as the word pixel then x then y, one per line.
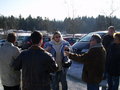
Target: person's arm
pixel 47 46
pixel 82 58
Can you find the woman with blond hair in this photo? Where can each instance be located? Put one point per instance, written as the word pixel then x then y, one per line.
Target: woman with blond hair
pixel 56 47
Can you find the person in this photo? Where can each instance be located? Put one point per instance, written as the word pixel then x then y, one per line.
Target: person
pixel 114 63
pixel 56 47
pixel 94 62
pixel 36 65
pixel 108 39
pixel 8 52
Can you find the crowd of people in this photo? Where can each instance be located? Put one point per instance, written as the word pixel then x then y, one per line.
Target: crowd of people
pixel 38 68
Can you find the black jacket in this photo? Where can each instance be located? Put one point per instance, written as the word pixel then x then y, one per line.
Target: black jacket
pixel 36 65
pixel 113 60
pixel 107 40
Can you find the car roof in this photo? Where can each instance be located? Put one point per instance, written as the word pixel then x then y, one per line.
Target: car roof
pixel 100 32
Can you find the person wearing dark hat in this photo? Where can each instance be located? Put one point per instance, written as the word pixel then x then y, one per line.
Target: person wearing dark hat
pixel 36 65
pixel 94 62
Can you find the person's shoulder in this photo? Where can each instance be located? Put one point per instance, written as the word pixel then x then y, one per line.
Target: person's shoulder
pixel 47 53
pixel 15 48
pixel 65 42
pixel 48 43
pixel 24 52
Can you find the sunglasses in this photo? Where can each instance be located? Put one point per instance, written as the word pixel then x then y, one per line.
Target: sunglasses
pixel 57 37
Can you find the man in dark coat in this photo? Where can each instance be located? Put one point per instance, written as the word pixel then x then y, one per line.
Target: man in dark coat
pixel 108 39
pixel 36 65
pixel 94 63
pixel 113 67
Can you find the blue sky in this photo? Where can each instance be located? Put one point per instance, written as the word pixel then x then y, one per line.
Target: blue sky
pixel 59 9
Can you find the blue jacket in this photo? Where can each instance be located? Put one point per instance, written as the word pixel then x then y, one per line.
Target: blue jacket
pixel 53 52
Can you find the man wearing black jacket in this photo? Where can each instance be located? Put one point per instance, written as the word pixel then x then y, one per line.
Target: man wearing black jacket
pixel 36 65
pixel 108 39
pixel 113 67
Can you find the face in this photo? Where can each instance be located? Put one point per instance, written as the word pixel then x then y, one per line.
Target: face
pixel 57 37
pixel 111 32
pixel 92 42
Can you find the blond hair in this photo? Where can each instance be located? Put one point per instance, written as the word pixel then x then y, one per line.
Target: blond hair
pixel 57 32
pixel 117 35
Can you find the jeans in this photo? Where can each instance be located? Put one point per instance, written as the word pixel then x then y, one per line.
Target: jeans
pixel 12 87
pixel 113 82
pixel 92 86
pixel 57 77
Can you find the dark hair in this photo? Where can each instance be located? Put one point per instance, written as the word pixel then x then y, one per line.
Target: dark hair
pixel 36 37
pixel 97 38
pixel 11 37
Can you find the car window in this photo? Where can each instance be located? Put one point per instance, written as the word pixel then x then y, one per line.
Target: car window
pixel 26 38
pixel 19 38
pixel 86 38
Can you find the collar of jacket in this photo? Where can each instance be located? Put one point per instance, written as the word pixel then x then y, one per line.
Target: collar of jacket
pixel 36 47
pixel 62 43
pixel 8 43
pixel 56 43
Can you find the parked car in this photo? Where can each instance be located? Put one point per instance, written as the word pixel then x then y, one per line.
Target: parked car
pixel 26 43
pixel 2 41
pixel 20 37
pixel 82 45
pixel 19 41
pixel 71 40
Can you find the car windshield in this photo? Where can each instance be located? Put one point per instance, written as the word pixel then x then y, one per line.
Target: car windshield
pixel 26 38
pixel 88 36
pixel 20 38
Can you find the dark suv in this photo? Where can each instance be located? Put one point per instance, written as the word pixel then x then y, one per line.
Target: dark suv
pixel 82 45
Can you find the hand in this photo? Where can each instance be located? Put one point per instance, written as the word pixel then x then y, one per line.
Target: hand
pixel 66 53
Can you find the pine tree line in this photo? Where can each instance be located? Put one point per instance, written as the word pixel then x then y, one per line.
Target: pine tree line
pixel 77 25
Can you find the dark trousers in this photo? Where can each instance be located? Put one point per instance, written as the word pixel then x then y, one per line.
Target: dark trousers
pixel 92 86
pixel 113 82
pixel 59 76
pixel 12 87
